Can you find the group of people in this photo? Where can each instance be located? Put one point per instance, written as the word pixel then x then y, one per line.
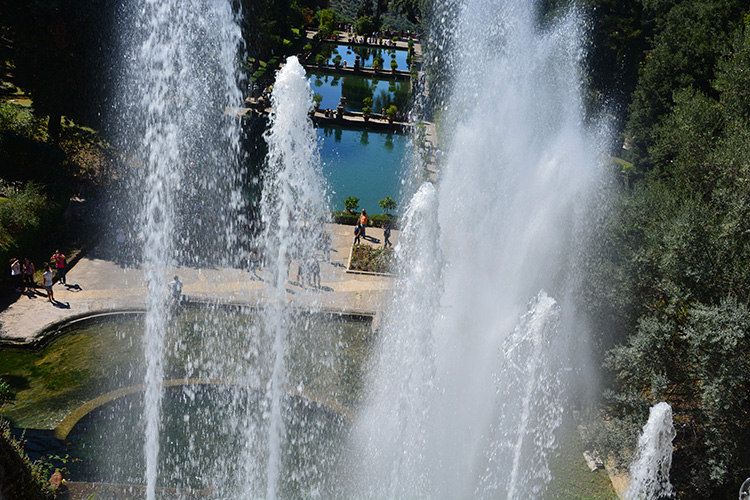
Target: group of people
pixel 309 271
pixel 22 273
pixel 360 230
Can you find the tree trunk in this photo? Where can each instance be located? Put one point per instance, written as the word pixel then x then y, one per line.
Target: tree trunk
pixel 53 127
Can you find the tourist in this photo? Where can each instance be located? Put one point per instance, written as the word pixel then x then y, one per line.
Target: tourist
pixel 47 280
pixel 254 259
pixel 357 233
pixel 387 235
pixel 314 272
pixel 15 273
pixel 28 273
pixel 363 223
pixel 325 241
pixel 175 288
pixel 60 264
pixel 302 272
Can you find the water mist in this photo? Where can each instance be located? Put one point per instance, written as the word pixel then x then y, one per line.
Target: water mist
pixel 479 346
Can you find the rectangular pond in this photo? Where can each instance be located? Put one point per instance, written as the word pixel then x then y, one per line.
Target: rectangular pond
pixel 366 55
pixel 365 164
pixel 383 92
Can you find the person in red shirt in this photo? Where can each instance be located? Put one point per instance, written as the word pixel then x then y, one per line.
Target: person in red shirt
pixel 60 266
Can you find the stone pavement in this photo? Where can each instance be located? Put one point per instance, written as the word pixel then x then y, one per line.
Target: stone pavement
pixel 96 285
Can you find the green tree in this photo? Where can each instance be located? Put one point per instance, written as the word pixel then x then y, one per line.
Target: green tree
pixel 690 37
pixel 387 204
pixel 327 22
pixel 411 9
pixel 676 281
pixel 351 203
pixel 59 53
pixel 365 25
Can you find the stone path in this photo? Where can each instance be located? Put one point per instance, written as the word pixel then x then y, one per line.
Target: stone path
pixel 97 285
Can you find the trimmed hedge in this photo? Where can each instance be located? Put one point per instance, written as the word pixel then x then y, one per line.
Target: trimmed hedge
pixel 374 220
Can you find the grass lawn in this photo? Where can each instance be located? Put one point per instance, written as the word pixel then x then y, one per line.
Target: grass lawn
pixel 572 479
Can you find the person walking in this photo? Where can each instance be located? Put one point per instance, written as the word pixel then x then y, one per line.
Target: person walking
pixel 60 266
pixel 357 233
pixel 47 279
pixel 314 272
pixel 28 273
pixel 254 260
pixel 387 235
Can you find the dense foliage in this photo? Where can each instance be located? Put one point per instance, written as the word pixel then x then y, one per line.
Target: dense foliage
pixel 670 280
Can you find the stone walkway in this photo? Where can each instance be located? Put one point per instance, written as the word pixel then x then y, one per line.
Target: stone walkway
pixel 96 285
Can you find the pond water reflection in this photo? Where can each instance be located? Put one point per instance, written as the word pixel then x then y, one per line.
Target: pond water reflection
pixel 366 55
pixel 383 92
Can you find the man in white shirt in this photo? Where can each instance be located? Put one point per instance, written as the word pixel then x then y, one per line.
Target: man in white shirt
pixel 175 288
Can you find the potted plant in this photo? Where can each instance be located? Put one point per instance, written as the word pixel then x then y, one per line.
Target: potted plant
pixel 366 108
pixel 317 99
pixel 337 61
pixel 391 112
pixel 320 59
pixel 351 204
pixel 376 64
pixel 394 65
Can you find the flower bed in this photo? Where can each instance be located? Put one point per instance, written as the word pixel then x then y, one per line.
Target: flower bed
pixel 370 259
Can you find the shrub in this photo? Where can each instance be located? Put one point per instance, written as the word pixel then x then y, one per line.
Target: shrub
pixel 391 111
pixel 347 218
pixel 337 60
pixel 307 47
pixel 380 219
pixel 320 59
pixel 370 259
pixel 21 213
pixel 6 394
pixel 394 64
pixel 375 220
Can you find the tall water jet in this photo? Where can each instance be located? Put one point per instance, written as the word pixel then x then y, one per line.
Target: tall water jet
pixel 649 472
pixel 465 400
pixel 181 154
pixel 292 205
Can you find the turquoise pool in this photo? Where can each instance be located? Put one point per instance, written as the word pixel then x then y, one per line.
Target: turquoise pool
pixel 365 164
pixel 356 88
